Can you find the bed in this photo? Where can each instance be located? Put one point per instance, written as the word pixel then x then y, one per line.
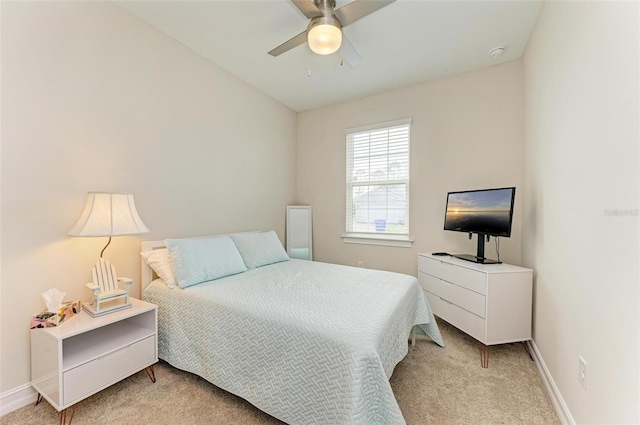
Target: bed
pixel 306 342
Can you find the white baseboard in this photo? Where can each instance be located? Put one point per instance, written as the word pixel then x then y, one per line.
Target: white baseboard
pixel 17 398
pixel 554 393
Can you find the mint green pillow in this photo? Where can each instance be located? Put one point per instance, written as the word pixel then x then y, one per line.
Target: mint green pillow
pixel 260 249
pixel 197 260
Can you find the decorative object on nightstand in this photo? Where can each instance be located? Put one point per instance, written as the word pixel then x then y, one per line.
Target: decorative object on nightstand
pixel 56 309
pixel 108 214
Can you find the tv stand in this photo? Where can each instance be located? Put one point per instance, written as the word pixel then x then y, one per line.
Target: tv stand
pixel 476 259
pixel 479 257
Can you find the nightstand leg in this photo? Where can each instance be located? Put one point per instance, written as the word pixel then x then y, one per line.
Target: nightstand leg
pixel 485 350
pixel 39 399
pixel 413 337
pixel 151 373
pixel 63 415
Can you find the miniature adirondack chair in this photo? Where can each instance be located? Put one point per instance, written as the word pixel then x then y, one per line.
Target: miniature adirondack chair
pixel 106 289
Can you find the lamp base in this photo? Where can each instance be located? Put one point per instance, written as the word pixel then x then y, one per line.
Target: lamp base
pixel 105 308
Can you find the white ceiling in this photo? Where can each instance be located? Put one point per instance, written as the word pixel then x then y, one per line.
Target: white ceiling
pixel 404 43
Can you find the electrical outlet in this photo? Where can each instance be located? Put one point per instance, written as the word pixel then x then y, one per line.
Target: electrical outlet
pixel 582 372
pixel 361 263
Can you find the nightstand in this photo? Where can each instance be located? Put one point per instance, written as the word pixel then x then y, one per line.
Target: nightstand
pixel 85 354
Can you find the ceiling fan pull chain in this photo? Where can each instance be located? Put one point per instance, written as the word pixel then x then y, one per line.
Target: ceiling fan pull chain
pixel 309 63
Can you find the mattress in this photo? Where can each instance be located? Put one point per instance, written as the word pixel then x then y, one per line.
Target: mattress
pixel 306 342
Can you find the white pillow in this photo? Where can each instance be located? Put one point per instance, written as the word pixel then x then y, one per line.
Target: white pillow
pixel 159 261
pixel 197 260
pixel 260 249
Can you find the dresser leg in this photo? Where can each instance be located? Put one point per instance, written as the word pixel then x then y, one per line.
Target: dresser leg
pixel 39 399
pixel 526 348
pixel 485 350
pixel 63 415
pixel 413 337
pixel 151 373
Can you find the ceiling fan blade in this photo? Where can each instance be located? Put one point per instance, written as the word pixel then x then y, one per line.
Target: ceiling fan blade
pixel 290 44
pixel 307 8
pixel 349 53
pixel 351 12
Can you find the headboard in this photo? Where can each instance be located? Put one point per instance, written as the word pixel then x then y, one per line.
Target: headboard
pixel 146 273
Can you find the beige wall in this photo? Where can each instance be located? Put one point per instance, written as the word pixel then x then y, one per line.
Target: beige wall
pixel 94 99
pixel 467 133
pixel 582 133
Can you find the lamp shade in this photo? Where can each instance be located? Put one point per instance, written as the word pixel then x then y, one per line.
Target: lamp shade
pixel 109 214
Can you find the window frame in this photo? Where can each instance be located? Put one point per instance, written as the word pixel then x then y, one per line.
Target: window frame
pixel 372 237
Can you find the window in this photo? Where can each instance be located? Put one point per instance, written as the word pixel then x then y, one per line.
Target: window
pixel 378 182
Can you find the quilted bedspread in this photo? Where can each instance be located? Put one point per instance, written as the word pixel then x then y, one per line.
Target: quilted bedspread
pixel 306 342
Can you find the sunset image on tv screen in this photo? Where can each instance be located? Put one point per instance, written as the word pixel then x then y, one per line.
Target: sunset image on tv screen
pixel 486 211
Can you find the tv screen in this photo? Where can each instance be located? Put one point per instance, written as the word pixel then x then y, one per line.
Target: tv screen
pixel 487 211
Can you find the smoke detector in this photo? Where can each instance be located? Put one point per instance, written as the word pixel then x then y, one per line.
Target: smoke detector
pixel 496 52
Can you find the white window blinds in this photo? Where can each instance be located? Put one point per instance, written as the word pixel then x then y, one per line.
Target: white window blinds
pixel 378 179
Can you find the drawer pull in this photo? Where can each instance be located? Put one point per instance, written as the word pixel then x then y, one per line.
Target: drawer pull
pixel 106 356
pixel 448 302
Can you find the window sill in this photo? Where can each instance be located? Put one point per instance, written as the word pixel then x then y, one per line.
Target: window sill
pixel 374 239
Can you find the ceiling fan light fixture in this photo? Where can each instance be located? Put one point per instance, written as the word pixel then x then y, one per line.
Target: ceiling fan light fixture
pixel 324 35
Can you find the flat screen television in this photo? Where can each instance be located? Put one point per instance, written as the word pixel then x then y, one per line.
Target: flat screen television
pixel 486 212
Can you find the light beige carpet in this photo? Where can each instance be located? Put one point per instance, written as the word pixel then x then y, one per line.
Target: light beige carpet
pixel 433 385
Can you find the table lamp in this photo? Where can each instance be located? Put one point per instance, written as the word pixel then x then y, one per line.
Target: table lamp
pixel 108 214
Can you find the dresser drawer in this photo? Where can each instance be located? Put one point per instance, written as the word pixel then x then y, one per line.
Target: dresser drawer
pixel 469 300
pixel 467 278
pixel 108 369
pixel 460 318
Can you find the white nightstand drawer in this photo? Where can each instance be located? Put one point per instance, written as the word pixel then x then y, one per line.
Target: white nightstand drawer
pixel 460 318
pixel 469 300
pixel 470 279
pixel 106 370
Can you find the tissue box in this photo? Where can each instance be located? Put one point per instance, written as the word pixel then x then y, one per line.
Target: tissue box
pixel 47 319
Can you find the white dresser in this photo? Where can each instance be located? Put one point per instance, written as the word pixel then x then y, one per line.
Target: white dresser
pixel 490 302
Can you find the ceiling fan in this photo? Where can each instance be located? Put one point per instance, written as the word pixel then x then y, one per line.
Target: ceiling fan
pixel 324 32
